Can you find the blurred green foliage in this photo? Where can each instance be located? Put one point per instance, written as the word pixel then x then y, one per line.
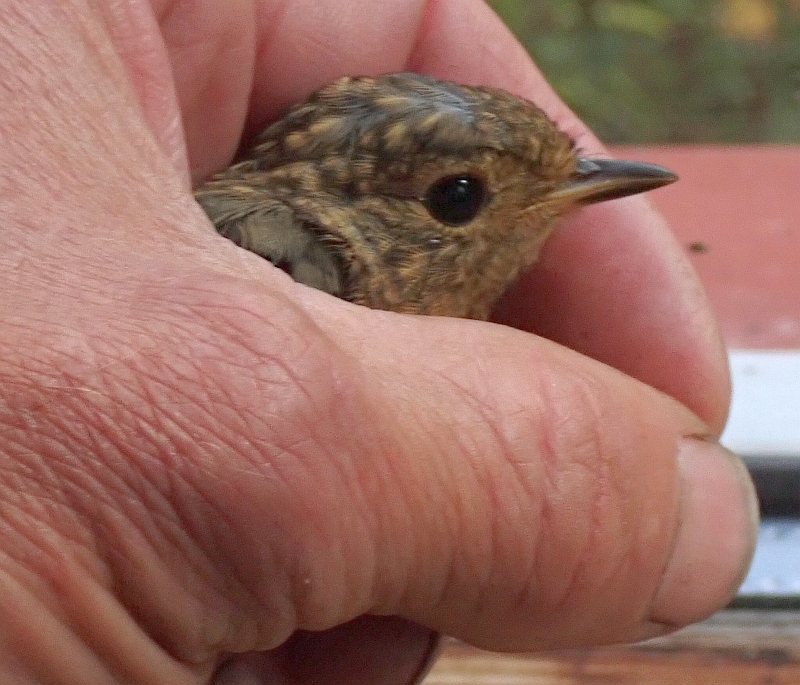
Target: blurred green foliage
pixel 670 71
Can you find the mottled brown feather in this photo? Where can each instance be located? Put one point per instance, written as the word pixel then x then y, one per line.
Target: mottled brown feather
pixel 340 182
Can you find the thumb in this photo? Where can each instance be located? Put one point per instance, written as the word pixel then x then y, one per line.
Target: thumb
pixel 275 460
pixel 489 484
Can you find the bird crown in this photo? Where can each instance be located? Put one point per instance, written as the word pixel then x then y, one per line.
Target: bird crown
pixel 398 116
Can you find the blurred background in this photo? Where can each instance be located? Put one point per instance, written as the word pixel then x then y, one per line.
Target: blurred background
pixel 670 71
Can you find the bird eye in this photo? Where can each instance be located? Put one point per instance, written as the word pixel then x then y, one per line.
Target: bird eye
pixel 455 200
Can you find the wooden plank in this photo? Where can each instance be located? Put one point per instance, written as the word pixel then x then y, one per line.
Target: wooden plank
pixel 732 648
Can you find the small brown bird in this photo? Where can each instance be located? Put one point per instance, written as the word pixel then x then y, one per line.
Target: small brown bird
pixel 411 194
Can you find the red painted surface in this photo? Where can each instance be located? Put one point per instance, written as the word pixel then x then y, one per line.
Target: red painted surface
pixel 740 208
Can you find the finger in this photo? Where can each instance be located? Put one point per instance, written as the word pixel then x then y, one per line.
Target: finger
pixel 303 45
pixel 613 283
pixel 138 42
pixel 370 650
pixel 191 65
pixel 307 43
pixel 582 503
pixel 211 48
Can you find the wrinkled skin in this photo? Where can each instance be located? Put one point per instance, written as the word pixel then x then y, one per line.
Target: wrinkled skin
pixel 201 458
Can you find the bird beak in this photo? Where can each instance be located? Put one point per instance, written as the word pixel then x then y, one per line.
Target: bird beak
pixel 595 180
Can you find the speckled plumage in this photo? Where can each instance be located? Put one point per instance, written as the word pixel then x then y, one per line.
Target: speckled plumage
pixel 334 192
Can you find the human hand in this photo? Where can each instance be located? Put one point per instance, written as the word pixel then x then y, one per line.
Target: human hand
pixel 202 457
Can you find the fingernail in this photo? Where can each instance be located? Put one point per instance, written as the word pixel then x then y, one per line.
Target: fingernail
pixel 716 538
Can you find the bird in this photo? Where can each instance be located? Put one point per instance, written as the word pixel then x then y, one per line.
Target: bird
pixel 411 194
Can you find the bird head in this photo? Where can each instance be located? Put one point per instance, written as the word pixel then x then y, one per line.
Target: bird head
pixel 429 197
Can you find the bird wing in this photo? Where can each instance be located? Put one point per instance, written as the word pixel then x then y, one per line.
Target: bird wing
pixel 255 220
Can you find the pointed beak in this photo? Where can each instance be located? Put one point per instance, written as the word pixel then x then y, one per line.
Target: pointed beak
pixel 596 180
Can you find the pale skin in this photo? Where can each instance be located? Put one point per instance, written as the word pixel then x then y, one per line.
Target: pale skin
pixel 201 457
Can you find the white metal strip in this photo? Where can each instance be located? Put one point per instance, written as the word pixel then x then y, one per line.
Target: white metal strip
pixel 765 413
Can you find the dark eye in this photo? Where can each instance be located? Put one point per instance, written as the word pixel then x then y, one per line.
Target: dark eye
pixel 455 200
